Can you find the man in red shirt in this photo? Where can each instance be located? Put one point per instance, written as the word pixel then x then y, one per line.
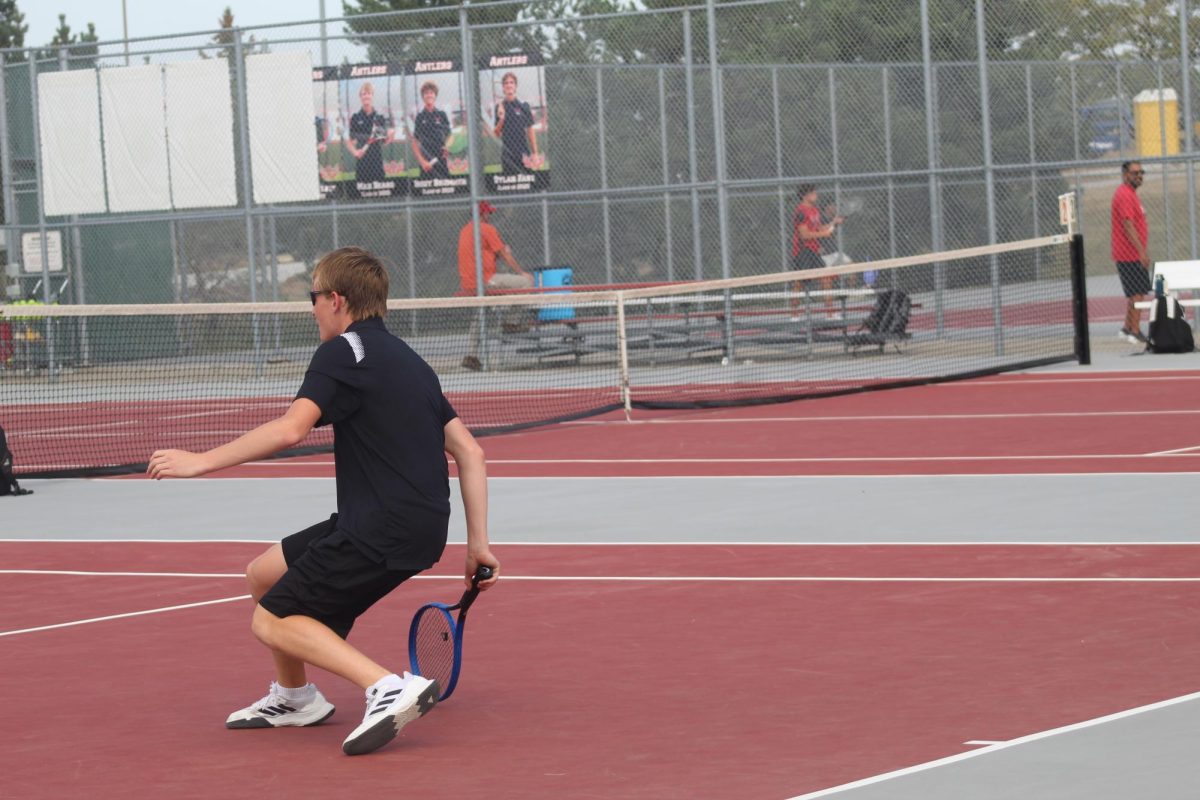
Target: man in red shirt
pixel 1130 248
pixel 807 232
pixel 493 246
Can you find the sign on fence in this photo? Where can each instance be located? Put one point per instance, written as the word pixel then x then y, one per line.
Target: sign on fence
pixel 31 252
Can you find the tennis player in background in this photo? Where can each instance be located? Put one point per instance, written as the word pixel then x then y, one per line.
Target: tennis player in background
pixel 808 229
pixel 392 428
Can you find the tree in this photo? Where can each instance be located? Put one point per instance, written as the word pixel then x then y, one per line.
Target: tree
pixel 81 49
pixel 432 33
pixel 12 27
pixel 63 36
pixel 224 39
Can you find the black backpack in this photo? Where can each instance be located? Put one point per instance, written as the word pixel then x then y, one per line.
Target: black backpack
pixel 1169 329
pixel 889 317
pixel 887 322
pixel 8 482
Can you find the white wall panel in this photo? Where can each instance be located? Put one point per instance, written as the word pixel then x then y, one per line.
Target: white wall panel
pixel 69 127
pixel 283 154
pixel 135 145
pixel 200 134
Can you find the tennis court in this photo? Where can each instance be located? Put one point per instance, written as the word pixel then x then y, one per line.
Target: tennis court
pixel 980 589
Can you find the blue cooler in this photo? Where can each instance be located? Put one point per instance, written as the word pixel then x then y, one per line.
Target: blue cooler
pixel 547 277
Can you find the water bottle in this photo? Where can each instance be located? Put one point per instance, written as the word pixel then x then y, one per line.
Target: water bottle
pixel 1160 286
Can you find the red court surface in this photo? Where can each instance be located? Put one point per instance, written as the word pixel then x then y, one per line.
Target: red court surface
pixel 619 671
pixel 1094 422
pixel 657 671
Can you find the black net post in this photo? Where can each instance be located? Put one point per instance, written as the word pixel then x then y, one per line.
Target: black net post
pixel 1083 345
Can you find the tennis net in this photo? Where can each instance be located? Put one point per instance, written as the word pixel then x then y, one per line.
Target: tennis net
pixel 94 389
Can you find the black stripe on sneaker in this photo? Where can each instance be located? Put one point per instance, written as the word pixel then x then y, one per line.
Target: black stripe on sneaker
pixel 384 700
pixel 271 711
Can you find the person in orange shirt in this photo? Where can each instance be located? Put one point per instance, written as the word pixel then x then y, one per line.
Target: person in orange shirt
pixel 493 246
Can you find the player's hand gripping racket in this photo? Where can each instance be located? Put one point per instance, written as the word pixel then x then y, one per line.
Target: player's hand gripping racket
pixel 435 637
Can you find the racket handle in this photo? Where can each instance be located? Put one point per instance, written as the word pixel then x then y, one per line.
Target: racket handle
pixel 482 573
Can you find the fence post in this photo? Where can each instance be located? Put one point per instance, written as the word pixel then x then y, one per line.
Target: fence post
pixel 989 178
pixel 12 217
pixel 41 212
pixel 1189 132
pixel 243 124
pixel 473 164
pixel 718 112
pixel 600 136
pixel 1033 179
pixel 666 174
pixel 693 170
pixel 785 239
pixel 931 153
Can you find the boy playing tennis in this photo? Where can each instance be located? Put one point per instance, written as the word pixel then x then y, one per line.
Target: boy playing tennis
pixel 392 428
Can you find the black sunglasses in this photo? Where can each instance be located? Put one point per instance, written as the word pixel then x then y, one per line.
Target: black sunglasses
pixel 312 296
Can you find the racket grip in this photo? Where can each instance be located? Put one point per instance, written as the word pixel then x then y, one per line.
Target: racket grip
pixel 482 573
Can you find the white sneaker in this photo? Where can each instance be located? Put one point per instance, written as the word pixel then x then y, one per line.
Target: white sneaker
pixel 389 709
pixel 273 711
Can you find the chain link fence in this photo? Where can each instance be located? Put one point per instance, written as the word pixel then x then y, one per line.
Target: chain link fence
pixel 676 137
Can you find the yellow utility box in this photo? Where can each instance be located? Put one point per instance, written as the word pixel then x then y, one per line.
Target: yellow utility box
pixel 1154 112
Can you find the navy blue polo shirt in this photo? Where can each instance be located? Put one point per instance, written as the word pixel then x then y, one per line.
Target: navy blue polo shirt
pixel 431 129
pixel 389 417
pixel 518 119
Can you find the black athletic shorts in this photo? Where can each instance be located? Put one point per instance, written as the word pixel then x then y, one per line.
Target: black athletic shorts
pixel 1135 279
pixel 329 579
pixel 807 259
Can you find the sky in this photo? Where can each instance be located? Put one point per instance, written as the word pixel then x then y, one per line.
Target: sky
pixel 157 17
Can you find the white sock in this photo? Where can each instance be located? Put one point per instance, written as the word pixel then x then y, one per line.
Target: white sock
pixel 299 694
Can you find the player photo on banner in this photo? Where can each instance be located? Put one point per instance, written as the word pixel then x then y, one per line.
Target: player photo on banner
pixel 360 150
pixel 434 120
pixel 512 93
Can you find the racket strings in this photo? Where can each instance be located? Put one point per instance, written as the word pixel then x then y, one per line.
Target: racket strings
pixel 434 647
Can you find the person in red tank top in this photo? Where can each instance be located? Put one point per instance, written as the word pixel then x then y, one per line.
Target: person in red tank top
pixel 1130 247
pixel 807 232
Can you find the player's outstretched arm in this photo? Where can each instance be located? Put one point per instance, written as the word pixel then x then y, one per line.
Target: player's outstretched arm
pixel 270 437
pixel 472 482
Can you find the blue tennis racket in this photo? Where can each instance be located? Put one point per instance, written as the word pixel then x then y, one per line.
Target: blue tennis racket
pixel 435 637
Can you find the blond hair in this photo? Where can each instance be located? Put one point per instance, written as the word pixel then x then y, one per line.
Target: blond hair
pixel 357 275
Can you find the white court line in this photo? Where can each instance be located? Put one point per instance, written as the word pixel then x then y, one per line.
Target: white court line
pixel 1176 451
pixel 698 543
pixel 884 417
pixel 1101 378
pixel 921 476
pixel 100 573
pixel 570 579
pixel 73 435
pixel 941 762
pixel 93 573
pixel 125 616
pixel 796 460
pixel 76 428
pixel 672 578
pixel 804 460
